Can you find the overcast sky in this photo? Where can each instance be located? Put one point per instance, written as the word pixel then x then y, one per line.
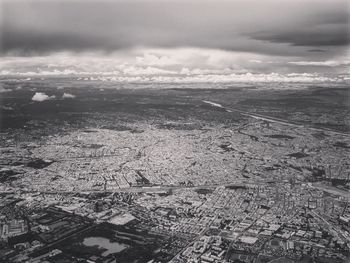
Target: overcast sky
pixel 238 36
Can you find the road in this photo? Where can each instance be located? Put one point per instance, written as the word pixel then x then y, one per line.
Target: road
pixel 135 189
pixel 271 119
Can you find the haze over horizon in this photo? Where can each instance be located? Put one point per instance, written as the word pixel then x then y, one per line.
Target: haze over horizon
pixel 175 40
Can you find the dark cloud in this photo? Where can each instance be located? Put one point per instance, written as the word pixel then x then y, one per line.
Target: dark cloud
pixel 317 50
pixel 33 42
pixel 323 27
pixel 329 35
pixel 272 27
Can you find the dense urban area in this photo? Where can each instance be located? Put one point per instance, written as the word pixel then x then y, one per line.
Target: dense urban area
pixel 176 174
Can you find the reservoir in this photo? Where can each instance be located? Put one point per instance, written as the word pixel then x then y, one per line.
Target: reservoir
pixel 105 244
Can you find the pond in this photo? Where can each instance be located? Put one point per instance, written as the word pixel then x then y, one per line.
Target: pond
pixel 104 243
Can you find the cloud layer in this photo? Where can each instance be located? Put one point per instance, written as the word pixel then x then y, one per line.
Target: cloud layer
pixel 3 90
pixel 68 96
pixel 179 64
pixel 40 96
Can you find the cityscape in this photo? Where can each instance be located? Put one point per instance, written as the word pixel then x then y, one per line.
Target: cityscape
pixel 209 183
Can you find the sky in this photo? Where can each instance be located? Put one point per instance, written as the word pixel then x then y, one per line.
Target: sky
pixel 209 40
